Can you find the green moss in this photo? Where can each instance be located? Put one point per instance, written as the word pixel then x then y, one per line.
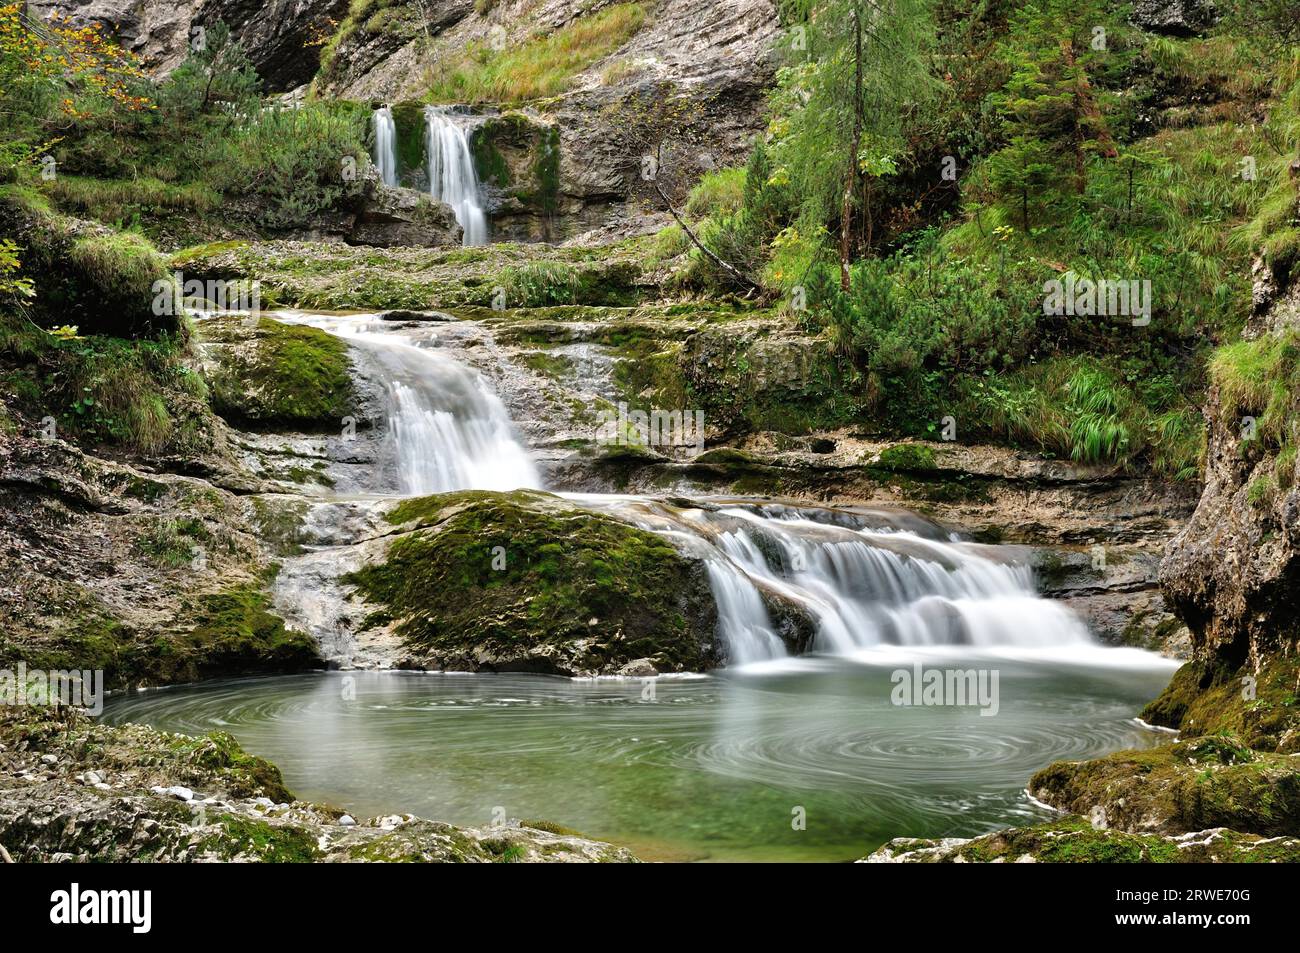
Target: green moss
pixel 530 580
pixel 235 632
pixel 242 837
pixel 243 774
pixel 1191 785
pixel 409 125
pixel 281 376
pixel 172 543
pixel 1073 840
pixel 907 457
pixel 1260 707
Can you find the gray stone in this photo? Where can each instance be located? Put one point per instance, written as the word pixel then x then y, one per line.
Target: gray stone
pixel 1175 17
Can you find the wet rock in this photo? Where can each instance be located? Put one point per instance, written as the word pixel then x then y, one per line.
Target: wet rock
pixel 1075 840
pixel 394 216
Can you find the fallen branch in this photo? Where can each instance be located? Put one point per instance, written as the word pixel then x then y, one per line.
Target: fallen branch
pixel 735 273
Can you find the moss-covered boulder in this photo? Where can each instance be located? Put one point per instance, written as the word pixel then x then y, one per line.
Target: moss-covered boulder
pixel 87 791
pixel 267 375
pixel 1074 840
pixel 1192 785
pixel 1259 706
pixel 526 581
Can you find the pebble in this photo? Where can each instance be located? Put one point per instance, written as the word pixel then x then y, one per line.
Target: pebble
pixel 180 793
pixel 347 820
pixel 93 778
pixel 49 759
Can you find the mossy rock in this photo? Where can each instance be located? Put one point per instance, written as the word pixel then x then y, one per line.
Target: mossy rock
pixel 274 376
pixel 1261 707
pixel 907 458
pixel 1191 785
pixel 87 275
pixel 526 581
pixel 1074 840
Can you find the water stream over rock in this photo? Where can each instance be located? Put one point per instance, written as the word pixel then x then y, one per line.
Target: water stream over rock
pixel 385 145
pixel 868 578
pixel 451 172
pixel 677 767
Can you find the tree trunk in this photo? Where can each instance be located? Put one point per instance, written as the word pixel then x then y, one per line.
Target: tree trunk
pixel 855 145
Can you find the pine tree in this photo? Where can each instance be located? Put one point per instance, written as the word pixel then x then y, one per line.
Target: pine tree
pixel 860 69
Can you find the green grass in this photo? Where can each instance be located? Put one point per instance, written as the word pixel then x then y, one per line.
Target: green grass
pixel 537 68
pixel 539 283
pixel 118 200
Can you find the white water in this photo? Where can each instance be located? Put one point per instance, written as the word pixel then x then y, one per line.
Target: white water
pixel 451 172
pixel 869 579
pixel 385 145
pixel 447 430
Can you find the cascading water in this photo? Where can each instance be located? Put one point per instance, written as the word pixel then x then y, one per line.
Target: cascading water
pixel 865 578
pixel 447 429
pixel 451 172
pixel 385 145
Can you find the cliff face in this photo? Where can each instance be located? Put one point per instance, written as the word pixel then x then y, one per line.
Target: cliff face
pixel 682 81
pixel 685 81
pixel 282 37
pixel 1233 573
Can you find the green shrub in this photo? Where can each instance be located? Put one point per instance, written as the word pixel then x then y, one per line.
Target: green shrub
pixel 538 283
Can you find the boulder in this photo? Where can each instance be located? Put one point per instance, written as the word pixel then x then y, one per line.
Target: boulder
pixel 394 216
pixel 1175 17
pixel 530 582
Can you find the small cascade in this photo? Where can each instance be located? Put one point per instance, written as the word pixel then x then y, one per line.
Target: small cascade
pixel 385 145
pixel 451 172
pixel 867 580
pixel 864 578
pixel 447 429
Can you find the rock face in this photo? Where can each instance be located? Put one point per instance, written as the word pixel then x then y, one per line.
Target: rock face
pixel 73 790
pixel 1177 17
pixel 281 37
pixel 691 79
pixel 1233 573
pixel 391 217
pixel 1074 840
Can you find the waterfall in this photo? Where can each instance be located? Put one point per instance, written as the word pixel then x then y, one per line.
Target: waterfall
pixel 865 580
pixel 451 172
pixel 447 430
pixel 385 145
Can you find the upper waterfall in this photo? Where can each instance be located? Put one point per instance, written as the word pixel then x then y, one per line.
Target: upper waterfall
pixel 451 172
pixel 385 145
